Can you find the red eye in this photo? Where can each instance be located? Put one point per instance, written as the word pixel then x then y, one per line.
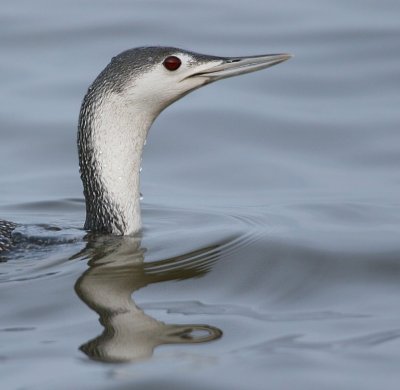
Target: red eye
pixel 172 63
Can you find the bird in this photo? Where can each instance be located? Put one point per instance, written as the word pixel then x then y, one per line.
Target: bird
pixel 115 116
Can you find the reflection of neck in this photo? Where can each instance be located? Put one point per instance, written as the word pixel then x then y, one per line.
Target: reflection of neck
pixel 111 138
pixel 106 287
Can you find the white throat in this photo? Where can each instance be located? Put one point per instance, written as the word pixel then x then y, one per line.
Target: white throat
pixel 114 138
pixel 120 135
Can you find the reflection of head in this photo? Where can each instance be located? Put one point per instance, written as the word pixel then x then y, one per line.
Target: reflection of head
pixel 140 335
pixel 116 270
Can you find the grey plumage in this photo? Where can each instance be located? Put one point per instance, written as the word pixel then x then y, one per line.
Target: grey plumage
pixel 6 229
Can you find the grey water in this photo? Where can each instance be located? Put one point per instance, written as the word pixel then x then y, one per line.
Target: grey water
pixel 270 254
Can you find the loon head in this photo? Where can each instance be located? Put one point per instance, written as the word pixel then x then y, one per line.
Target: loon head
pixel 117 112
pixel 152 78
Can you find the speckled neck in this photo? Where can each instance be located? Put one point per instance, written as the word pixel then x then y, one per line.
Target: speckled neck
pixel 111 137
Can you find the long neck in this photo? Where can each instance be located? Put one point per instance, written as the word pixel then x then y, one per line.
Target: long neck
pixel 111 137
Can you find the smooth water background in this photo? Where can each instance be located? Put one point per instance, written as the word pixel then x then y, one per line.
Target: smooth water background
pixel 271 202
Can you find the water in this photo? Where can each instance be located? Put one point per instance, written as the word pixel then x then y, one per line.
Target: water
pixel 270 251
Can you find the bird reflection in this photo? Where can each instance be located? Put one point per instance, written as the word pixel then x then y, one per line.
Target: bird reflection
pixel 116 270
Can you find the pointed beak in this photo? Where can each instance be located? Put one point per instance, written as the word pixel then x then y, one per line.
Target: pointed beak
pixel 234 66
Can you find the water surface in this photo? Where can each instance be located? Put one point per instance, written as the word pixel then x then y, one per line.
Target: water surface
pixel 270 251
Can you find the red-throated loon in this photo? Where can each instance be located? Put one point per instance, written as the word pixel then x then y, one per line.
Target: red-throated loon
pixel 115 117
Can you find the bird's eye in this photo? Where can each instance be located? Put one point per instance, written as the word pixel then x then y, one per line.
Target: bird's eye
pixel 172 63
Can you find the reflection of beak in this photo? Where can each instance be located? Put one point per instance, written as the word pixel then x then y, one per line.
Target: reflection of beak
pixel 234 66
